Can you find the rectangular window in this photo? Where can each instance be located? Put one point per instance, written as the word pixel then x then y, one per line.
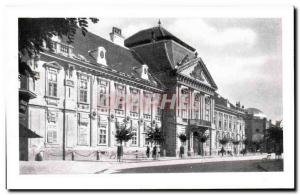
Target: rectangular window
pixel 83 120
pixel 134 132
pixel 103 99
pixel 185 103
pixel 83 90
pixel 147 103
pixel 52 83
pixel 207 109
pixel 52 134
pixel 134 137
pixel 230 123
pixel 225 121
pixel 120 98
pixel 156 102
pixel 83 136
pixel 102 132
pixel 197 107
pixel 134 97
pixel 220 120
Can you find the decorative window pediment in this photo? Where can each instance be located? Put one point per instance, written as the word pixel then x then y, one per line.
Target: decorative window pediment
pixel 53 65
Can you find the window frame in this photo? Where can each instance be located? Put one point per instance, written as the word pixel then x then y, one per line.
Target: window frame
pixel 102 127
pixel 82 90
pixel 120 97
pixel 80 128
pixel 52 85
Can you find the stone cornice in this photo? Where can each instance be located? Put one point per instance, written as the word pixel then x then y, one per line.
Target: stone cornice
pixel 193 83
pixel 228 110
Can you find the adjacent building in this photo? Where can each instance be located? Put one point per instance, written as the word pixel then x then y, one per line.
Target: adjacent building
pixel 229 122
pixel 150 79
pixel 256 124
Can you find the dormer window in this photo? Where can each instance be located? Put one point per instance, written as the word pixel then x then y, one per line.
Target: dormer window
pixel 101 51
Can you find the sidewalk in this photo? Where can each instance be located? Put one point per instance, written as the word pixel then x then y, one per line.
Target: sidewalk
pixel 91 167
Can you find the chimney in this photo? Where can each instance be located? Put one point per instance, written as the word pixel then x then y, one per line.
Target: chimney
pixel 116 36
pixel 228 103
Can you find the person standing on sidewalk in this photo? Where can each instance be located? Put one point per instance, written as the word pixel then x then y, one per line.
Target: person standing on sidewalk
pixel 119 153
pixel 148 151
pixel 154 152
pixel 181 151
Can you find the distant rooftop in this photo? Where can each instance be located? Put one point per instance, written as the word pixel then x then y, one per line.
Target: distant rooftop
pixel 256 112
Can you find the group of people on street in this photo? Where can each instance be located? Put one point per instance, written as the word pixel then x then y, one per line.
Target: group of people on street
pixel 155 152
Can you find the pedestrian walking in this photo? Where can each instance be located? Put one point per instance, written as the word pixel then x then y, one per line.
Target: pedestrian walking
pixel 154 152
pixel 119 153
pixel 181 151
pixel 148 151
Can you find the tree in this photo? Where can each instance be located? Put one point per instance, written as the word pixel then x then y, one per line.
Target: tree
pixel 123 133
pixel 36 33
pixel 154 135
pixel 235 143
pixel 245 142
pixel 182 137
pixel 223 142
pixel 201 136
pixel 274 137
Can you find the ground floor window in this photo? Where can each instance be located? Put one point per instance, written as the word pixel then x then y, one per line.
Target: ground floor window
pixel 102 133
pixel 52 134
pixel 134 138
pixel 134 127
pixel 83 136
pixel 83 121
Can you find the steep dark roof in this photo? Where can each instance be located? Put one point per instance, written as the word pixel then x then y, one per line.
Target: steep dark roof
pixel 155 33
pixel 118 58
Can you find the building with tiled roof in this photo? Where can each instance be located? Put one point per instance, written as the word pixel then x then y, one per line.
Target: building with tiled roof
pixel 151 79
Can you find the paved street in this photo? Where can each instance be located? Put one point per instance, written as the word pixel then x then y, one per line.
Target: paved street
pixel 226 166
pixel 164 165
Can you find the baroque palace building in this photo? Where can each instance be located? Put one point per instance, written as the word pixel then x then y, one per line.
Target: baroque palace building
pixel 81 90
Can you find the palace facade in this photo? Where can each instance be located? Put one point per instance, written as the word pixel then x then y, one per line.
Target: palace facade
pixel 81 90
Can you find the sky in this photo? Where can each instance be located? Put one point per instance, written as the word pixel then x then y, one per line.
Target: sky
pixel 243 55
